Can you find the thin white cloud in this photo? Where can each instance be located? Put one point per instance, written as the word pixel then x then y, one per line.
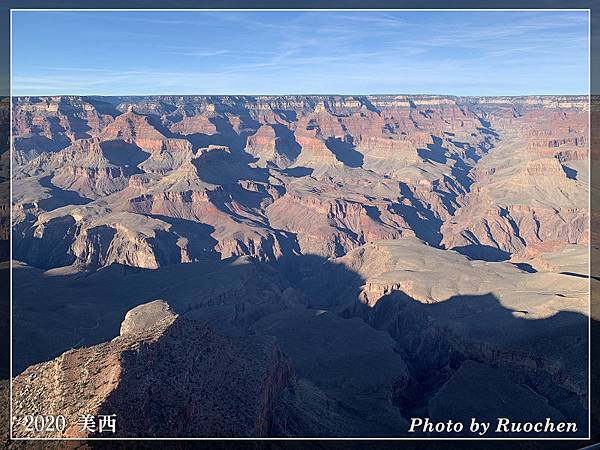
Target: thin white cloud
pixel 309 51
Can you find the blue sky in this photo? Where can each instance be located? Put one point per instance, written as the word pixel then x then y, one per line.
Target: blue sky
pixel 299 52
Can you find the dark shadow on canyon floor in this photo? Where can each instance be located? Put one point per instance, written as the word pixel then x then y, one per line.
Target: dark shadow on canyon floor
pixel 121 153
pixel 468 350
pixel 483 252
pixel 59 197
pixel 581 275
pixel 345 151
pixel 420 218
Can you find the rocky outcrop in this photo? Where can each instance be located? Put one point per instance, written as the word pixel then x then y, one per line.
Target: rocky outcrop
pixel 162 376
pixel 518 229
pixel 330 227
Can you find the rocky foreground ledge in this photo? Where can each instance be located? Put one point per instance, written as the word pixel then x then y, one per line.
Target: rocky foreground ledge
pixel 162 376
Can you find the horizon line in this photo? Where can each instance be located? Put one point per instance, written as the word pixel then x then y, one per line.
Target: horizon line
pixel 305 95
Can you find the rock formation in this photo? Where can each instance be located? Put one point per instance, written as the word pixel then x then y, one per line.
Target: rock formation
pixel 323 175
pixel 330 265
pixel 218 386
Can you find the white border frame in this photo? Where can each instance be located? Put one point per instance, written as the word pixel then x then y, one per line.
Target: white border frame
pixel 589 95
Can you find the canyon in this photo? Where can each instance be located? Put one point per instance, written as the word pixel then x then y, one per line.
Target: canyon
pixel 299 266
